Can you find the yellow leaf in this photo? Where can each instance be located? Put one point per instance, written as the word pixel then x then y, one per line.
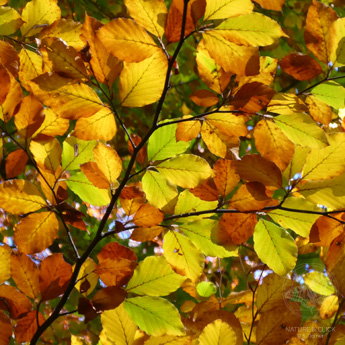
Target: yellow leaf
pixel 325 163
pixel 31 66
pixel 68 100
pixel 47 154
pixel 10 21
pixel 186 170
pixel 118 327
pixel 67 30
pixel 221 9
pixel 226 178
pixel 287 104
pixel 273 144
pixel 337 44
pixel 25 274
pixel 253 29
pixel 320 19
pixel 142 83
pixel 86 274
pixel 5 268
pixel 109 163
pixel 218 333
pixel 183 255
pixel 329 307
pixel 319 110
pixel 127 40
pixel 211 74
pixel 159 191
pixel 20 196
pixel 187 130
pixel 37 14
pixel 100 126
pixel 235 59
pixel 149 14
pixel 105 66
pixel 53 124
pixel 36 232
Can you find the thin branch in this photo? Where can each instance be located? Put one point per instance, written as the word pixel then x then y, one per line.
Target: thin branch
pixel 318 83
pixel 98 237
pixel 68 312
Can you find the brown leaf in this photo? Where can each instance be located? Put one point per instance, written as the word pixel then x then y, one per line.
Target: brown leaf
pixel 27 326
pixel 318 24
pixel 206 191
pixel 132 192
pixel 9 58
pixel 14 301
pixel 86 308
pixel 109 298
pixel 95 175
pixel 142 155
pixel 15 163
pixel 275 5
pixel 55 274
pixel 227 177
pixel 116 251
pixel 252 97
pixel 301 67
pixel 204 98
pixel 255 168
pixel 6 329
pixel 148 215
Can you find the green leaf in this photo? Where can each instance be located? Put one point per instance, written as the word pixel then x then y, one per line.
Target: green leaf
pixel 300 223
pixel 302 130
pixel 199 232
pixel 331 93
pixel 86 191
pixel 154 315
pixel 275 247
pixel 162 144
pixel 154 277
pixel 183 255
pixel 75 152
pixel 159 191
pixel 319 283
pixel 186 171
pixel 206 289
pixel 253 29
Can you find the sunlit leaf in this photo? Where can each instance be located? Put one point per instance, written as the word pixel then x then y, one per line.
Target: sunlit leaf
pixel 217 333
pixel 221 9
pixel 331 93
pixel 10 20
pixel 5 268
pixel 329 307
pixel 319 283
pixel 27 326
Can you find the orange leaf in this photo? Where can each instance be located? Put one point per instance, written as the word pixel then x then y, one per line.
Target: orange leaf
pixel 5 259
pixel 301 67
pixel 25 274
pixel 36 232
pixel 132 192
pixel 55 274
pixel 319 110
pixel 95 175
pixel 109 298
pixel 115 272
pixel 127 40
pixel 275 5
pixel 16 303
pixel 252 97
pixel 9 58
pixel 317 31
pixel 148 216
pixel 238 226
pixel 325 230
pixel 273 144
pixel 27 326
pixel 146 234
pixel 226 178
pixel 105 66
pixel 5 84
pixel 19 197
pixel 206 191
pixel 187 130
pixel 251 197
pixel 16 163
pixel 204 98
pixel 142 155
pixel 254 168
pixel 6 329
pixel 116 251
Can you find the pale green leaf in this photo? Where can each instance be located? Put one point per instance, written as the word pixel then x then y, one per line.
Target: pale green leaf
pixel 275 247
pixel 302 130
pixel 86 191
pixel 253 29
pixel 319 283
pixel 159 191
pixel 154 277
pixel 300 223
pixel 162 144
pixel 154 315
pixel 183 255
pixel 206 289
pixel 331 93
pixel 186 171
